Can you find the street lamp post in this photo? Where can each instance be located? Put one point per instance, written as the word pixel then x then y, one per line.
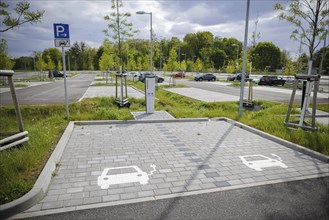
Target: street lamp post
pixel 237 57
pixel 179 58
pixel 193 61
pixel 34 54
pixel 150 13
pixel 149 81
pixel 184 54
pixel 160 56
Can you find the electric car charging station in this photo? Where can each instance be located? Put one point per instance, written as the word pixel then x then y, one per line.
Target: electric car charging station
pixel 150 93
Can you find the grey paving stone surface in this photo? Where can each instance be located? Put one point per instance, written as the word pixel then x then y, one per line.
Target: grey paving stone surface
pixel 107 91
pixel 188 156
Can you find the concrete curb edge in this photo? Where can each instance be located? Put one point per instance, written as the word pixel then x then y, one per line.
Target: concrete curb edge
pixel 41 185
pixel 141 91
pixel 105 122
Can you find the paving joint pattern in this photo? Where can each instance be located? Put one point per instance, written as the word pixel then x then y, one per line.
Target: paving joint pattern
pixel 192 156
pixel 189 157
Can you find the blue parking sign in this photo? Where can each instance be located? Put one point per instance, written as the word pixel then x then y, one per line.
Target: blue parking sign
pixel 61 31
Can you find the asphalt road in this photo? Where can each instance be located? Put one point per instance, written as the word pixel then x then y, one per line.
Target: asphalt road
pixel 257 94
pixel 306 199
pixel 24 75
pixel 51 93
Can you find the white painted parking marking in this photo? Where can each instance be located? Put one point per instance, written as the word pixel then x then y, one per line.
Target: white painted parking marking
pixel 258 162
pixel 121 175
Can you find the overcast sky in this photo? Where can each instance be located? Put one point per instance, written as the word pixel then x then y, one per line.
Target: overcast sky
pixel 171 18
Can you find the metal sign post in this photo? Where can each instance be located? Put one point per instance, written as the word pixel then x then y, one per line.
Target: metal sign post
pixel 62 39
pixel 65 87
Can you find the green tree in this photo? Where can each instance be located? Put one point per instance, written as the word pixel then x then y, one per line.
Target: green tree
pixel 311 18
pixel 118 28
pixel 107 58
pixel 139 65
pixel 40 63
pixel 290 68
pixel 76 51
pixel 206 54
pixel 318 57
pixel 52 54
pixel 24 15
pixel 132 61
pixel 172 63
pixel 88 58
pixel 85 57
pixel 146 62
pixel 59 65
pixel 218 57
pixel 198 65
pixel 189 66
pixel 205 39
pixel 194 43
pixel 50 63
pixel 106 62
pixel 230 66
pixel 23 63
pixel 99 53
pixel 285 57
pixel 266 54
pixel 231 51
pixel 302 63
pixel 183 66
pixel 5 62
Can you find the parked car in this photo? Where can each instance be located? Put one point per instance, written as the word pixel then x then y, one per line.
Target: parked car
pixel 271 80
pixel 55 73
pixel 179 75
pixel 142 77
pixel 236 76
pixel 207 76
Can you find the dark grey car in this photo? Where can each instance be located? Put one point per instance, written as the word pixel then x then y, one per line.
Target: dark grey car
pixel 272 80
pixel 207 76
pixel 55 73
pixel 142 77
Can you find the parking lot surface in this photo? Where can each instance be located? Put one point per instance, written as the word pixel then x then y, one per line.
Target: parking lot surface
pixel 146 160
pixel 107 91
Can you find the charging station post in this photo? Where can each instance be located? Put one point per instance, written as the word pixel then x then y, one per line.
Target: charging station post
pixel 150 93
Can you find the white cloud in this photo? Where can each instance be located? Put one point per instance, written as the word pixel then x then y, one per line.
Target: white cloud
pixel 224 18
